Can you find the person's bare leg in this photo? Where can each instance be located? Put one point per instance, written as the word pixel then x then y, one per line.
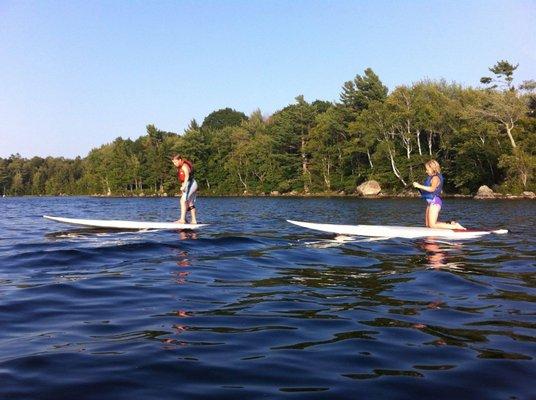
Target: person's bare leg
pixel 433 222
pixel 193 216
pixel 182 220
pixel 426 222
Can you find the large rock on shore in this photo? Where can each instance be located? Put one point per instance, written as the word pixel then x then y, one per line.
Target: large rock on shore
pixel 529 195
pixel 484 192
pixel 369 188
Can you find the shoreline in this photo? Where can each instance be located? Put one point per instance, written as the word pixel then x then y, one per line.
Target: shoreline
pixel 381 196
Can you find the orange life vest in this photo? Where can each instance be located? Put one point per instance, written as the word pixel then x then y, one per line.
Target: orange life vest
pixel 181 172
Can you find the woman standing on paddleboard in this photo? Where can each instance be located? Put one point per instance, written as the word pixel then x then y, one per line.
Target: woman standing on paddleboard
pixel 188 188
pixel 431 192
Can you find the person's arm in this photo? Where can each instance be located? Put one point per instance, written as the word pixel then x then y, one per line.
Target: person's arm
pixel 186 177
pixel 433 185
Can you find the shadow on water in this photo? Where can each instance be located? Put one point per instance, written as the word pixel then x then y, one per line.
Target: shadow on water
pixel 88 232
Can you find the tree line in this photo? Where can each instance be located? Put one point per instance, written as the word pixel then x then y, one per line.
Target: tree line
pixel 484 135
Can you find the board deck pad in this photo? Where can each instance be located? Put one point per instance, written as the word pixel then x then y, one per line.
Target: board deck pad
pixel 390 231
pixel 116 224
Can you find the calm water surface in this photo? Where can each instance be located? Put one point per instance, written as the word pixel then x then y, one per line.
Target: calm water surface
pixel 253 307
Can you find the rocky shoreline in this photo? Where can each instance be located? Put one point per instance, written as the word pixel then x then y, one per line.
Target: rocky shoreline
pixel 379 196
pixel 367 190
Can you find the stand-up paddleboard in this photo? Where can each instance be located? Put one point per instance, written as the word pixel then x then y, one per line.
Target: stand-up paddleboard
pixel 114 224
pixel 386 231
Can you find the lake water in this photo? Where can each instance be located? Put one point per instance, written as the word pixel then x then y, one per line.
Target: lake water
pixel 253 307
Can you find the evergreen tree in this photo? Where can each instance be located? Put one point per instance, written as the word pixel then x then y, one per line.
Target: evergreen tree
pixel 504 75
pixel 221 118
pixel 359 93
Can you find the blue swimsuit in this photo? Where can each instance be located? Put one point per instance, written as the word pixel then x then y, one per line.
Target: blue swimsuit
pixel 433 197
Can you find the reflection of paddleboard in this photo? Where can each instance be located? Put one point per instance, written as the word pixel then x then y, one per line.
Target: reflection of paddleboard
pixel 97 223
pixel 386 231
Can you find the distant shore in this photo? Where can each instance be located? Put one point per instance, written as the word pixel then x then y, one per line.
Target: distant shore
pixel 495 196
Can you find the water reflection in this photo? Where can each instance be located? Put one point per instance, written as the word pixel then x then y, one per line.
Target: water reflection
pixel 187 235
pixel 172 340
pixel 92 232
pixel 183 262
pixel 86 232
pixel 438 253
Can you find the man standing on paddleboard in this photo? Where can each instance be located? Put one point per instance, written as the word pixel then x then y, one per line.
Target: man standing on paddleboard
pixel 185 172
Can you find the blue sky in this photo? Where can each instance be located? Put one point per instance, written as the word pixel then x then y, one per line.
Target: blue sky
pixel 77 74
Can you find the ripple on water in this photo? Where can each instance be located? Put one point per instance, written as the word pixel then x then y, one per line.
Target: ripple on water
pixel 264 309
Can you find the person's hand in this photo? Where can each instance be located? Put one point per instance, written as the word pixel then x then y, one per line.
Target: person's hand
pixel 416 185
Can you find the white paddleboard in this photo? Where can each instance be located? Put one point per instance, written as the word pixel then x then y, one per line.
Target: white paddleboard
pixel 386 231
pixel 99 223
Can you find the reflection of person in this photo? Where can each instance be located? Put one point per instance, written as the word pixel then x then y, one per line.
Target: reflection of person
pixel 431 192
pixel 187 235
pixel 436 257
pixel 185 170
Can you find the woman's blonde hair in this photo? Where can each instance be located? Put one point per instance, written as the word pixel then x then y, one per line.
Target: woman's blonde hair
pixel 434 166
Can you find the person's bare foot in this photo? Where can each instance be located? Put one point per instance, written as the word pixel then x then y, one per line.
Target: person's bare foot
pixel 180 221
pixel 456 225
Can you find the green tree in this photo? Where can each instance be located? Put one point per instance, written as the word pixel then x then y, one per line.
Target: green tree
pixel 377 121
pixel 222 118
pixel 4 176
pixel 359 93
pixel 504 75
pixel 98 169
pixel 158 149
pixel 195 145
pixel 503 108
pixel 17 184
pixel 16 168
pixel 520 167
pixel 218 174
pixel 290 128
pixel 325 143
pixel 239 162
pixel 259 147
